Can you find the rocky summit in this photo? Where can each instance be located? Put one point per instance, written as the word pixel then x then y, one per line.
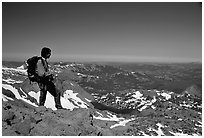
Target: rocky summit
pixel 91 111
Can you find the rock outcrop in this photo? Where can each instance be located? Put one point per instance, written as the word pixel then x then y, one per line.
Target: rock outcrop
pixel 42 121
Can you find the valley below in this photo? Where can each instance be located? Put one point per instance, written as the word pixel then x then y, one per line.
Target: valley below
pixel 105 99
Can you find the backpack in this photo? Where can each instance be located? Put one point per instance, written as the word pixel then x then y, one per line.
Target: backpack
pixel 32 65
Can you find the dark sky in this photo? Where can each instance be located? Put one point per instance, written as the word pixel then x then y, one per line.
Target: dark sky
pixel 97 31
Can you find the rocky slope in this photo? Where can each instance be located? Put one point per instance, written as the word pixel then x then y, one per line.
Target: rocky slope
pixel 153 112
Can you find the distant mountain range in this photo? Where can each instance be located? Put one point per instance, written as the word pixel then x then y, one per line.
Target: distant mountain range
pixel 104 100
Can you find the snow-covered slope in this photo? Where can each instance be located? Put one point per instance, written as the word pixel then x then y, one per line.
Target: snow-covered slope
pixel 69 98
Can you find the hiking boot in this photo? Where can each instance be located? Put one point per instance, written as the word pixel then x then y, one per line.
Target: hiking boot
pixel 60 107
pixel 40 104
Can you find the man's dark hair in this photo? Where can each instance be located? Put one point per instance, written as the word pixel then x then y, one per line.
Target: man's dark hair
pixel 45 51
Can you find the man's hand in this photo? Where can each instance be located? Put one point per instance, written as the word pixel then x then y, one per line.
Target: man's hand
pixel 47 74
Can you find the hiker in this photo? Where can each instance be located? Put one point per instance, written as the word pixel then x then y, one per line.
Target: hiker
pixel 46 77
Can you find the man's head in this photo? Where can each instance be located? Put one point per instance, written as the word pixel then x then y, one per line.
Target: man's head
pixel 46 52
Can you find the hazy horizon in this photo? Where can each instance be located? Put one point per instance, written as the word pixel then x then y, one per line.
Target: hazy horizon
pixel 103 31
pixel 111 62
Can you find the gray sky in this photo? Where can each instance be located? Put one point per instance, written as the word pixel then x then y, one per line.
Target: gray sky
pixel 103 31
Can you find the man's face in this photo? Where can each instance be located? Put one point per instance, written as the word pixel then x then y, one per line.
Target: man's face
pixel 48 55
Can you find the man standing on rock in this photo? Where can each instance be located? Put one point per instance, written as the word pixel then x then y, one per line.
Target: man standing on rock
pixel 46 77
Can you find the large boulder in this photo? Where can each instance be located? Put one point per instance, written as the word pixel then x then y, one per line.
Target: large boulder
pixel 28 86
pixel 43 121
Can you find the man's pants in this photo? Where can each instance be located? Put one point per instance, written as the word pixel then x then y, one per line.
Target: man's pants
pixel 49 86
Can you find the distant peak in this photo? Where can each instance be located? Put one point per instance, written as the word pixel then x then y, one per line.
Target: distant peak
pixel 193 90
